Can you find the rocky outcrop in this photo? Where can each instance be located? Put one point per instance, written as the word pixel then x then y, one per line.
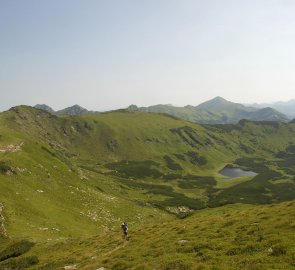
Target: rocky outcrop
pixel 6 169
pixel 2 220
pixel 11 148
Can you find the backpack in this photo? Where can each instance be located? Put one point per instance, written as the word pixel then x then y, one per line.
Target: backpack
pixel 124 227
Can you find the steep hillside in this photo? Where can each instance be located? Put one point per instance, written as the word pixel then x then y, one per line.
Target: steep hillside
pixel 137 159
pixel 72 177
pixel 231 237
pixel 44 193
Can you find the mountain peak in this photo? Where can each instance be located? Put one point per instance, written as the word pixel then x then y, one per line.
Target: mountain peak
pixel 218 104
pixel 44 107
pixel 73 110
pixel 219 99
pixel 76 106
pixel 133 107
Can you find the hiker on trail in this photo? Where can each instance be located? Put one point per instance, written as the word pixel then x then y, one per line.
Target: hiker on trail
pixel 124 228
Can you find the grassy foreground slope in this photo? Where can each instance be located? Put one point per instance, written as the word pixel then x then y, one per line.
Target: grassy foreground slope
pixel 228 237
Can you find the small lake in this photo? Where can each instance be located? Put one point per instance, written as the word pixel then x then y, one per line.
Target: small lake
pixel 232 173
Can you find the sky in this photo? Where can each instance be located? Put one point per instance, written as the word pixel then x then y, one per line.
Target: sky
pixel 108 54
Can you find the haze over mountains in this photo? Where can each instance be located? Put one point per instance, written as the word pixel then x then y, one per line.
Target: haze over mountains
pixel 287 107
pixel 214 111
pixel 217 111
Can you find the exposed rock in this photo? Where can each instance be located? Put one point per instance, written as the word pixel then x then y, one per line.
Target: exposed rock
pixel 70 267
pixel 180 211
pixel 182 242
pixel 270 250
pixel 44 107
pixel 11 148
pixel 6 169
pixel 183 211
pixel 2 220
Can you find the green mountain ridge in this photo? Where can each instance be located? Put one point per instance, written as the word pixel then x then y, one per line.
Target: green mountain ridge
pixel 220 104
pixel 64 179
pixel 217 111
pixel 73 110
pixel 287 107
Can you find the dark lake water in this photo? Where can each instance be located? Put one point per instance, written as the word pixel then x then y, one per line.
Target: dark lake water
pixel 232 173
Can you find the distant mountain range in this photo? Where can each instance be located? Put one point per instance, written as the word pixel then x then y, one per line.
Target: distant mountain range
pixel 288 107
pixel 215 111
pixel 73 110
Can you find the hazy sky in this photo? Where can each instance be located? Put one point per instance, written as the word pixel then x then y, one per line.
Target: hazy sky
pixel 105 54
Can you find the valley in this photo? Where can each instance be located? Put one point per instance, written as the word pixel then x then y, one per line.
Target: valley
pixel 147 135
pixel 67 183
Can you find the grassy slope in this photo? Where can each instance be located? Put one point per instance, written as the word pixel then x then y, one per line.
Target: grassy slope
pixel 70 181
pixel 229 237
pixel 50 197
pixel 54 146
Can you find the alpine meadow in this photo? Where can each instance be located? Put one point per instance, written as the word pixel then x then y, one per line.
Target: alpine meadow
pixel 147 135
pixel 68 181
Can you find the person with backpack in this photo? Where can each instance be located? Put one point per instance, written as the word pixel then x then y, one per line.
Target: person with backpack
pixel 124 228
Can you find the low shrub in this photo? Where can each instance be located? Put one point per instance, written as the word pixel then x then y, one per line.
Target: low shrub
pixel 4 168
pixel 15 250
pixel 19 264
pixel 136 169
pixel 171 164
pixel 278 250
